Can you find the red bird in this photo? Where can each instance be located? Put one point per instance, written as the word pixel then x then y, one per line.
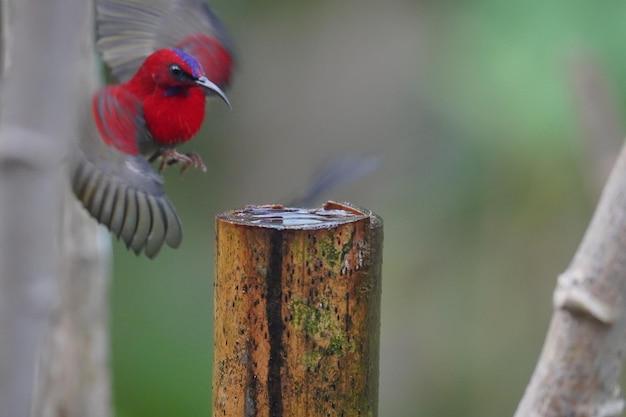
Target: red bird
pixel 169 56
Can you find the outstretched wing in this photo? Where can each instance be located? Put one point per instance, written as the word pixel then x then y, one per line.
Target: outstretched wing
pixel 121 189
pixel 131 30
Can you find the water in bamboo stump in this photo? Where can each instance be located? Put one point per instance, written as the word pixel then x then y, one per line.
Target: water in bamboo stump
pixel 297 312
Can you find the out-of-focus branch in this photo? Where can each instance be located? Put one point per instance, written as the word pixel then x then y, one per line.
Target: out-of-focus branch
pixel 73 376
pixel 598 117
pixel 579 369
pixel 44 47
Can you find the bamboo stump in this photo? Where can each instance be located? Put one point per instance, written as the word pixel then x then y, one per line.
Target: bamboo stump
pixel 297 312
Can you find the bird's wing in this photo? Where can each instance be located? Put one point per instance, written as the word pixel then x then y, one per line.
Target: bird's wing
pixel 123 191
pixel 131 30
pixel 119 118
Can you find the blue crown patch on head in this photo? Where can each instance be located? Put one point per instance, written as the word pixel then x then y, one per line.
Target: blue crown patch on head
pixel 192 63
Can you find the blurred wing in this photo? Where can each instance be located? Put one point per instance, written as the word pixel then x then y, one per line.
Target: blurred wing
pixel 124 193
pixel 119 118
pixel 131 30
pixel 337 172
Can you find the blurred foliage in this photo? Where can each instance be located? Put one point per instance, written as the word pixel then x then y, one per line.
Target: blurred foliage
pixel 485 186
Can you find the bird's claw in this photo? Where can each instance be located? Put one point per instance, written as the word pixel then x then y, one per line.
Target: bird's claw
pixel 191 159
pixel 195 161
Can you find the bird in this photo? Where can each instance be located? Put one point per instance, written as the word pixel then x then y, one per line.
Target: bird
pixel 169 56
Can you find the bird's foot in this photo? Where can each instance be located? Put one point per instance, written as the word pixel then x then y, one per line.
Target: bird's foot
pixel 196 162
pixel 191 159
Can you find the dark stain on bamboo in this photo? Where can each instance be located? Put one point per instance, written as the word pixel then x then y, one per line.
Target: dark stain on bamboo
pixel 275 324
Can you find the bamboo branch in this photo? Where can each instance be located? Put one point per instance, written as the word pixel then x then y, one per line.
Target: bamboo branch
pixel 44 47
pixel 579 369
pixel 73 375
pixel 598 117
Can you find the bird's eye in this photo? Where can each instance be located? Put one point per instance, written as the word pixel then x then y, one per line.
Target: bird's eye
pixel 175 70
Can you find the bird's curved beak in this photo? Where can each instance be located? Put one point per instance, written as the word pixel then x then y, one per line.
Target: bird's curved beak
pixel 206 83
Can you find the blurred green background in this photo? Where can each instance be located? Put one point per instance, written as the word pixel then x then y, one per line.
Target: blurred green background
pixel 495 122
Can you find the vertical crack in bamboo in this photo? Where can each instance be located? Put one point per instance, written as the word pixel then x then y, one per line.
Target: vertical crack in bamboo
pixel 297 312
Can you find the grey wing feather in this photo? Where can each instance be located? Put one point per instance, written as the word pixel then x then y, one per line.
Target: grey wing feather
pixel 131 30
pixel 124 193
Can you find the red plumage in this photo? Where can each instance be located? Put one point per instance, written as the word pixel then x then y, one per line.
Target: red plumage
pixel 154 104
pixel 176 120
pixel 117 113
pixel 216 59
pixel 170 55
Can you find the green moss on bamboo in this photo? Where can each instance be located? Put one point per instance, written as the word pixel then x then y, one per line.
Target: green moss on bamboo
pixel 319 325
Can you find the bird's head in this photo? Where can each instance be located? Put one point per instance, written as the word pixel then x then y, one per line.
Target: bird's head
pixel 174 71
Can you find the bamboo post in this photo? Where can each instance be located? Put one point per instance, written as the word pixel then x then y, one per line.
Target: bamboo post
pixel 297 312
